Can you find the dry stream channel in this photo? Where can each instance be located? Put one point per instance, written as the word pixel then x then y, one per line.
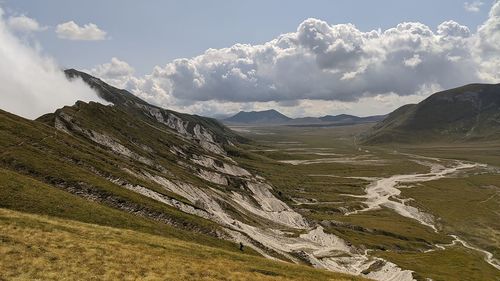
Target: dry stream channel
pixel 385 192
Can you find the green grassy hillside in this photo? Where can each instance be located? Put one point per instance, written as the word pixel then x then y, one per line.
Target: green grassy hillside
pixel 468 113
pixel 65 178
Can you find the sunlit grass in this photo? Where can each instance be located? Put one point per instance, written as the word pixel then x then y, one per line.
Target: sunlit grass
pixel 41 248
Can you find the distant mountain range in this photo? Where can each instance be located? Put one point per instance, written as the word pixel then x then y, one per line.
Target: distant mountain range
pixel 467 113
pixel 273 117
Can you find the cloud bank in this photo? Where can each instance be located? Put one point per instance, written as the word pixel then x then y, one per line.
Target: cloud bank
pixel 72 31
pixel 323 63
pixel 31 84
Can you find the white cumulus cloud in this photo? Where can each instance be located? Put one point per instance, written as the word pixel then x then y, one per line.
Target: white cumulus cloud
pixel 474 6
pixel 72 31
pixel 32 84
pixel 23 23
pixel 454 29
pixel 117 72
pixel 322 61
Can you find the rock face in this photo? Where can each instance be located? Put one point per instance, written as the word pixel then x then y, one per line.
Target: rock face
pixel 471 112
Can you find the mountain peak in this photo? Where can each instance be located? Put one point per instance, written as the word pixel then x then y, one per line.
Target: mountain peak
pixel 270 116
pixel 104 90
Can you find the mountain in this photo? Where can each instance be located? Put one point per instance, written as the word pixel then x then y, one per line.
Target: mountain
pixel 65 200
pixel 206 131
pixel 128 172
pixel 467 113
pixel 273 117
pixel 128 156
pixel 258 117
pixel 340 118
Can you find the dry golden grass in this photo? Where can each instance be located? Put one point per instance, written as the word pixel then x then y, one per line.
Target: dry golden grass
pixel 34 247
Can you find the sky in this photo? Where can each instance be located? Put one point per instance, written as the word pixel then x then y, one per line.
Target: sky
pixel 304 58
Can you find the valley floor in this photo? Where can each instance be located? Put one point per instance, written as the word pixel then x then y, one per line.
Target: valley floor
pixel 429 209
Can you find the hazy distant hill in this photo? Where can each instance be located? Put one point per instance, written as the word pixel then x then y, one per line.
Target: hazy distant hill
pixel 471 112
pixel 259 117
pixel 273 117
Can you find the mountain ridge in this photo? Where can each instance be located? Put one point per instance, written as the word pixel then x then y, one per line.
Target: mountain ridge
pixel 466 113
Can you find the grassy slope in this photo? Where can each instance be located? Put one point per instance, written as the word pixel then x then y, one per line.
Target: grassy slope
pixel 34 158
pixel 40 247
pixel 25 194
pixel 38 151
pixel 467 113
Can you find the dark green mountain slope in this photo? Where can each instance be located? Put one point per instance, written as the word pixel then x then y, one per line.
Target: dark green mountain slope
pixel 121 157
pixel 467 113
pixel 163 167
pixel 67 179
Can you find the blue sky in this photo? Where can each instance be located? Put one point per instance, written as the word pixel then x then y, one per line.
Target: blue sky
pixel 154 32
pixel 214 58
